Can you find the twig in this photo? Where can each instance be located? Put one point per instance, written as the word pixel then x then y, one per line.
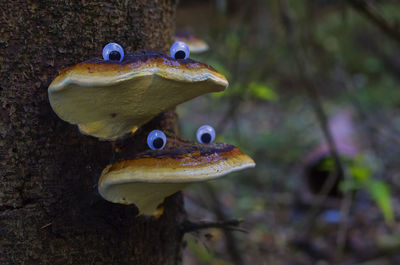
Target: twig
pixel 46 225
pixel 230 241
pixel 234 101
pixel 345 212
pixel 189 226
pixel 233 107
pixel 309 86
pixel 373 15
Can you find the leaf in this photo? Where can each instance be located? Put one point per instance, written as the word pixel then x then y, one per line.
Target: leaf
pixel 360 173
pixel 381 194
pixel 262 91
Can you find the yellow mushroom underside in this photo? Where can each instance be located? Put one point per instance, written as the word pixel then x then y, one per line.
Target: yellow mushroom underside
pixel 110 100
pixel 146 181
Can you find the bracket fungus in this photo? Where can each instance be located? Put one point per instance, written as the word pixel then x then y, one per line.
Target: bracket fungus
pixel 148 178
pixel 195 44
pixel 111 97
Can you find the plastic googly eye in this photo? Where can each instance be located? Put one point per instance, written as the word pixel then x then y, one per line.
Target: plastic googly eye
pixel 156 140
pixel 113 52
pixel 179 50
pixel 205 134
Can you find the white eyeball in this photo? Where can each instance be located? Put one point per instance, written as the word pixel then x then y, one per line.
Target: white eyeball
pixel 156 140
pixel 113 52
pixel 179 50
pixel 205 134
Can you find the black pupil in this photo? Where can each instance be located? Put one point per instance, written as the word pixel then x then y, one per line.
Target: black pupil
pixel 206 138
pixel 114 56
pixel 180 55
pixel 158 143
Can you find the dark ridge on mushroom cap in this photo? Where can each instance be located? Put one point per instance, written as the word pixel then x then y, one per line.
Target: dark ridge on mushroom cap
pixel 179 151
pixel 143 56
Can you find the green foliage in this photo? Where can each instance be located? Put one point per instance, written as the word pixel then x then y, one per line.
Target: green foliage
pixel 380 192
pixel 362 178
pixel 203 254
pixel 200 251
pixel 262 91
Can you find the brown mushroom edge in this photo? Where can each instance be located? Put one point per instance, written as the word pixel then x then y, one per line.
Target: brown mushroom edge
pixel 146 180
pixel 108 99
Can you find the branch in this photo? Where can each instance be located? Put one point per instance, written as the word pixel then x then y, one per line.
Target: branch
pixel 230 239
pixel 373 16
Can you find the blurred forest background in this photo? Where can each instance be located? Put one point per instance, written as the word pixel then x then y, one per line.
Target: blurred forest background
pixel 314 98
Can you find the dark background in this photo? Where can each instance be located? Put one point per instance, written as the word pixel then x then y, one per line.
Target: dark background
pixel 301 73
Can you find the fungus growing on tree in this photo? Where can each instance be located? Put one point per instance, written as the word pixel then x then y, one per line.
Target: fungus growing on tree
pixel 195 44
pixel 149 177
pixel 110 97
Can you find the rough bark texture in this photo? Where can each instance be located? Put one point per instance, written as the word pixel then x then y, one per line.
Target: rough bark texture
pixel 50 211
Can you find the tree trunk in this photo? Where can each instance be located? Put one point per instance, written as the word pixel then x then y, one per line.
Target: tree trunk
pixel 50 210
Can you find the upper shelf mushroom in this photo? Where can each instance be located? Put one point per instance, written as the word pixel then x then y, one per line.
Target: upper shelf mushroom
pixel 114 96
pixel 146 179
pixel 195 44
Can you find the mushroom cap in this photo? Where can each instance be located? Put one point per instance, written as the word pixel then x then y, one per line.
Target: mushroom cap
pixel 195 45
pixel 108 99
pixel 147 179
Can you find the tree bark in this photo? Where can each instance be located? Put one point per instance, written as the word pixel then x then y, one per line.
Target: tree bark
pixel 50 210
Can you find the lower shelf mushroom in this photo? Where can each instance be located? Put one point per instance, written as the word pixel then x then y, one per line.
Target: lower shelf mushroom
pixel 148 178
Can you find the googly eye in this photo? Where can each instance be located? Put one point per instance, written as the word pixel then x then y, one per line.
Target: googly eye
pixel 156 140
pixel 179 50
pixel 113 52
pixel 205 134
